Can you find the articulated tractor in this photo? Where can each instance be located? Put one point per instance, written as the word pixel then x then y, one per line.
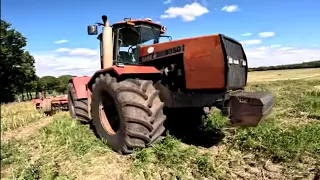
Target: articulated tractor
pixel 144 83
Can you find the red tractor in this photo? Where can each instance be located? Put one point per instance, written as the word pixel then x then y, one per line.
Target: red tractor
pixel 144 83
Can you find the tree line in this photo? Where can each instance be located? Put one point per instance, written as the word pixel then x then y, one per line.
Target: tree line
pixel 311 64
pixel 17 69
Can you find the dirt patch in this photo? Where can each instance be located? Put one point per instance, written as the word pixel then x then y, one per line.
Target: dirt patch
pixel 26 131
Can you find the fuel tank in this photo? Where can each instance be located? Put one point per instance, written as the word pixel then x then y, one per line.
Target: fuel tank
pixel 247 109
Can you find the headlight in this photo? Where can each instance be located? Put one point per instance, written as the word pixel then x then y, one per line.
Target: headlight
pixel 244 63
pixel 230 60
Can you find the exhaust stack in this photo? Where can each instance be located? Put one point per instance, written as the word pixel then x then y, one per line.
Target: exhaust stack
pixel 107 44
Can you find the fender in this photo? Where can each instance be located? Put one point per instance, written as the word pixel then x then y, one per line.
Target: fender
pixel 80 86
pixel 127 71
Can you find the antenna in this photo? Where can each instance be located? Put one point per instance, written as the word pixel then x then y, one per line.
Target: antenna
pixel 104 19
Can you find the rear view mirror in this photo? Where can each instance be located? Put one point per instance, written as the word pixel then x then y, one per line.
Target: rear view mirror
pixel 164 38
pixel 92 30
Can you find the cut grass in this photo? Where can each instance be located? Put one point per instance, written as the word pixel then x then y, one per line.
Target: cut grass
pixel 280 137
pixel 309 103
pixel 288 74
pixel 10 154
pixel 173 157
pixel 280 144
pixel 69 134
pixel 15 115
pixel 44 156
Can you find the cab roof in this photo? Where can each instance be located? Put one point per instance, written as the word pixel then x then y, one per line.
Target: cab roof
pixel 138 22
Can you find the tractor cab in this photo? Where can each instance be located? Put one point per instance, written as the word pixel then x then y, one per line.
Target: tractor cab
pixel 128 36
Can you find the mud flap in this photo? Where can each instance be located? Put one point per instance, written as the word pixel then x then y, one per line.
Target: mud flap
pixel 247 109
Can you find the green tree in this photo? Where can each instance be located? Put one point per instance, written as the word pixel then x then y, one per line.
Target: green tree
pixel 16 65
pixel 63 83
pixel 49 83
pixel 28 75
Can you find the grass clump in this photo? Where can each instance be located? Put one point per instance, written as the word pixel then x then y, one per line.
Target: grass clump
pixel 58 145
pixel 19 157
pixel 172 156
pixel 281 144
pixel 205 165
pixel 169 154
pixel 15 115
pixel 215 121
pixel 67 133
pixel 309 103
pixel 11 154
pixel 285 135
pixel 39 170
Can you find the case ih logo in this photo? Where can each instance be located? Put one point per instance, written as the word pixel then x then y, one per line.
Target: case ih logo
pixel 165 53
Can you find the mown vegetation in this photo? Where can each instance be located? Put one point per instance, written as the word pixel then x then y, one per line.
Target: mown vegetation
pixel 285 146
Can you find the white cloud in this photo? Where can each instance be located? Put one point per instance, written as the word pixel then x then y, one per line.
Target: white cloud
pixel 275 45
pixel 62 61
pixel 78 51
pixel 62 50
pixel 266 34
pixel 251 42
pixel 167 2
pixel 267 56
pixel 188 12
pixel 78 61
pixel 262 48
pixel 61 41
pixel 246 34
pixel 231 8
pixel 286 49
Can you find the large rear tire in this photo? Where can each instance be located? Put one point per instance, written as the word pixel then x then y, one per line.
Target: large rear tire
pixel 128 114
pixel 78 108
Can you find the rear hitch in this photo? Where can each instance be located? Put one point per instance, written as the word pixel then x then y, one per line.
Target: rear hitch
pixel 247 109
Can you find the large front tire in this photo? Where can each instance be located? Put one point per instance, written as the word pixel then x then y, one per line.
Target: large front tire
pixel 128 114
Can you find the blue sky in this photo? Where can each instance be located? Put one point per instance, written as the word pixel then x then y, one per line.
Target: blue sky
pixel 272 32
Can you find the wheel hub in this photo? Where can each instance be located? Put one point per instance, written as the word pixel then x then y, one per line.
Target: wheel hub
pixel 105 121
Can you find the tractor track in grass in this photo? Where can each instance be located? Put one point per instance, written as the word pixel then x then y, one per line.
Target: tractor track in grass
pixel 27 130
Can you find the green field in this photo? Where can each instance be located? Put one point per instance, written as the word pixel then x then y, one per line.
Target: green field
pixel 290 74
pixel 285 146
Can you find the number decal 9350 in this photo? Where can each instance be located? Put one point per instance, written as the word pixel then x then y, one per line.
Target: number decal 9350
pixel 167 52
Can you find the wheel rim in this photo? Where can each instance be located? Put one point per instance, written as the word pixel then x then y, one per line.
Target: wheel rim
pixel 108 116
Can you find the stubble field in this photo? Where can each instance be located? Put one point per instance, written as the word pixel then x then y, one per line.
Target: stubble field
pixel 285 146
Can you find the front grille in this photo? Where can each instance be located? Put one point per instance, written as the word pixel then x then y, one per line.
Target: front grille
pixel 236 71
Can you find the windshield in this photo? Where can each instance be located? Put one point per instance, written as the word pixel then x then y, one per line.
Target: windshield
pixel 130 38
